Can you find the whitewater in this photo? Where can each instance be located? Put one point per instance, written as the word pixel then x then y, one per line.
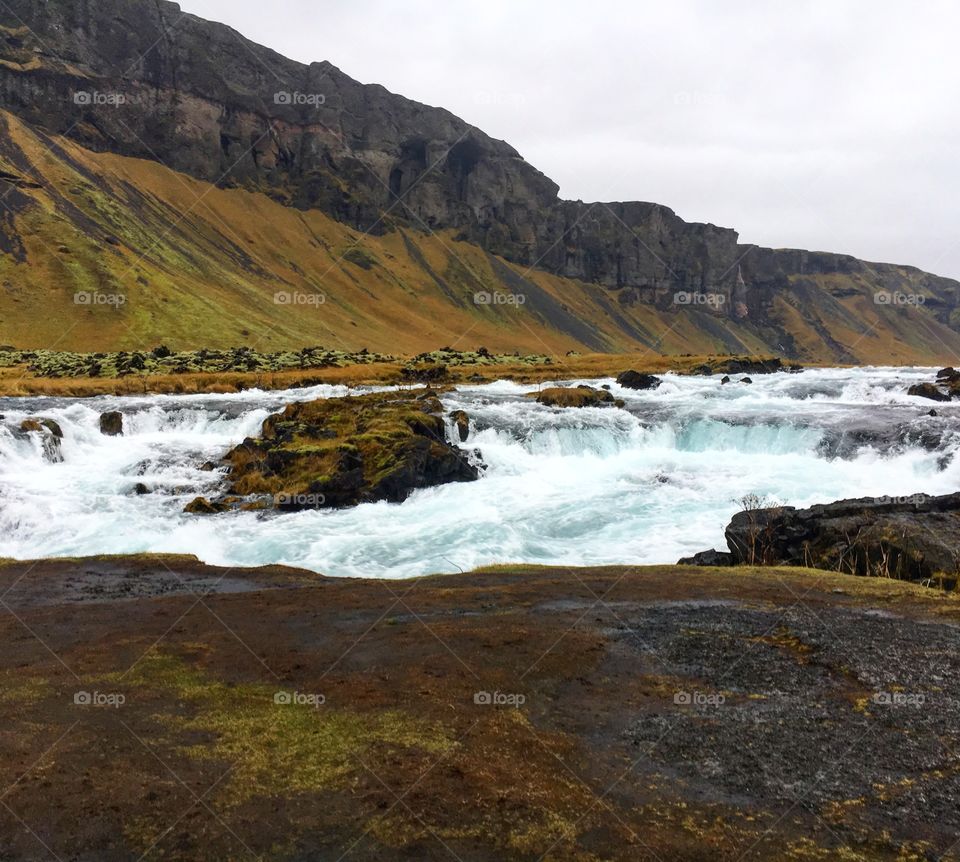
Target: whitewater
pixel 650 483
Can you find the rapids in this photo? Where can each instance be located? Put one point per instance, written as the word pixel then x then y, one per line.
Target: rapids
pixel 647 484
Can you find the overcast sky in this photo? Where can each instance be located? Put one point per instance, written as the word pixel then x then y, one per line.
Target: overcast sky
pixel 827 125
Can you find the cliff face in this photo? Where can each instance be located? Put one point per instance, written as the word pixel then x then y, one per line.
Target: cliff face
pixel 141 78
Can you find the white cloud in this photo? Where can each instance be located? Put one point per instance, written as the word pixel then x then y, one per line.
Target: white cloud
pixel 818 124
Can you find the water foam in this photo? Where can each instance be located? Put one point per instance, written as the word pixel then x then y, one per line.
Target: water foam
pixel 647 484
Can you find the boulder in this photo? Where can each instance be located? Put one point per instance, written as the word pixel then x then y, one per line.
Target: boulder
pixel 725 380
pixel 948 375
pixel 928 390
pixel 745 380
pixel 638 380
pixel 111 424
pixel 580 396
pixel 202 506
pixel 915 538
pixel 462 422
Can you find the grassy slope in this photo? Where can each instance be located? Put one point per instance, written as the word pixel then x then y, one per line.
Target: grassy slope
pixel 199 266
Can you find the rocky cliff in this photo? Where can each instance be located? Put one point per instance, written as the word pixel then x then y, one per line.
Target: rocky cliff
pixel 141 78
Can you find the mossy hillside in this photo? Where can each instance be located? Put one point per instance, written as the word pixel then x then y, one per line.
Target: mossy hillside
pixel 199 265
pixel 342 451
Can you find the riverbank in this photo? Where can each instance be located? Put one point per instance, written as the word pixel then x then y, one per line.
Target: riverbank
pixel 21 377
pixel 156 706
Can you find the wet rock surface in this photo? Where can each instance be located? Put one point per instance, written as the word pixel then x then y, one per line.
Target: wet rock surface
pixel 622 714
pixel 810 709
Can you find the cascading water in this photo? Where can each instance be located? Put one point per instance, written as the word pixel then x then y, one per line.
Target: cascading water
pixel 647 484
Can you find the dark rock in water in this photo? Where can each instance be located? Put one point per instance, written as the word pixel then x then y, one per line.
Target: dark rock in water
pixel 208 467
pixel 111 424
pixel 913 538
pixel 202 506
pixel 606 386
pixel 708 558
pixel 933 413
pixel 948 375
pixel 740 365
pixel 638 380
pixel 140 489
pixel 580 396
pixel 725 380
pixel 928 390
pixel 745 380
pixel 340 452
pixel 462 421
pixel 53 427
pixel 50 437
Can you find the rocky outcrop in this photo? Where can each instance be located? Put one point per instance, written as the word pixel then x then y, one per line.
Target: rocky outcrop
pixel 946 387
pixel 141 78
pixel 638 380
pixel 578 396
pixel 929 391
pixel 915 538
pixel 340 452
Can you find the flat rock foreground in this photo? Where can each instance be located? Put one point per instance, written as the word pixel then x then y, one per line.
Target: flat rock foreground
pixel 156 708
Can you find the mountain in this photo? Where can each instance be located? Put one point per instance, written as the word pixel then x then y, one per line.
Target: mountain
pixel 149 155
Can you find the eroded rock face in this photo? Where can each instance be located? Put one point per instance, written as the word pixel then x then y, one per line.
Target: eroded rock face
pixel 915 538
pixel 340 452
pixel 140 78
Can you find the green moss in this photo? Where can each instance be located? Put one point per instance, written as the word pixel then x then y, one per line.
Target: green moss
pixel 276 749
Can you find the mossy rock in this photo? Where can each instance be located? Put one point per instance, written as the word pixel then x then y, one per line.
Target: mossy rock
pixel 339 452
pixel 580 396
